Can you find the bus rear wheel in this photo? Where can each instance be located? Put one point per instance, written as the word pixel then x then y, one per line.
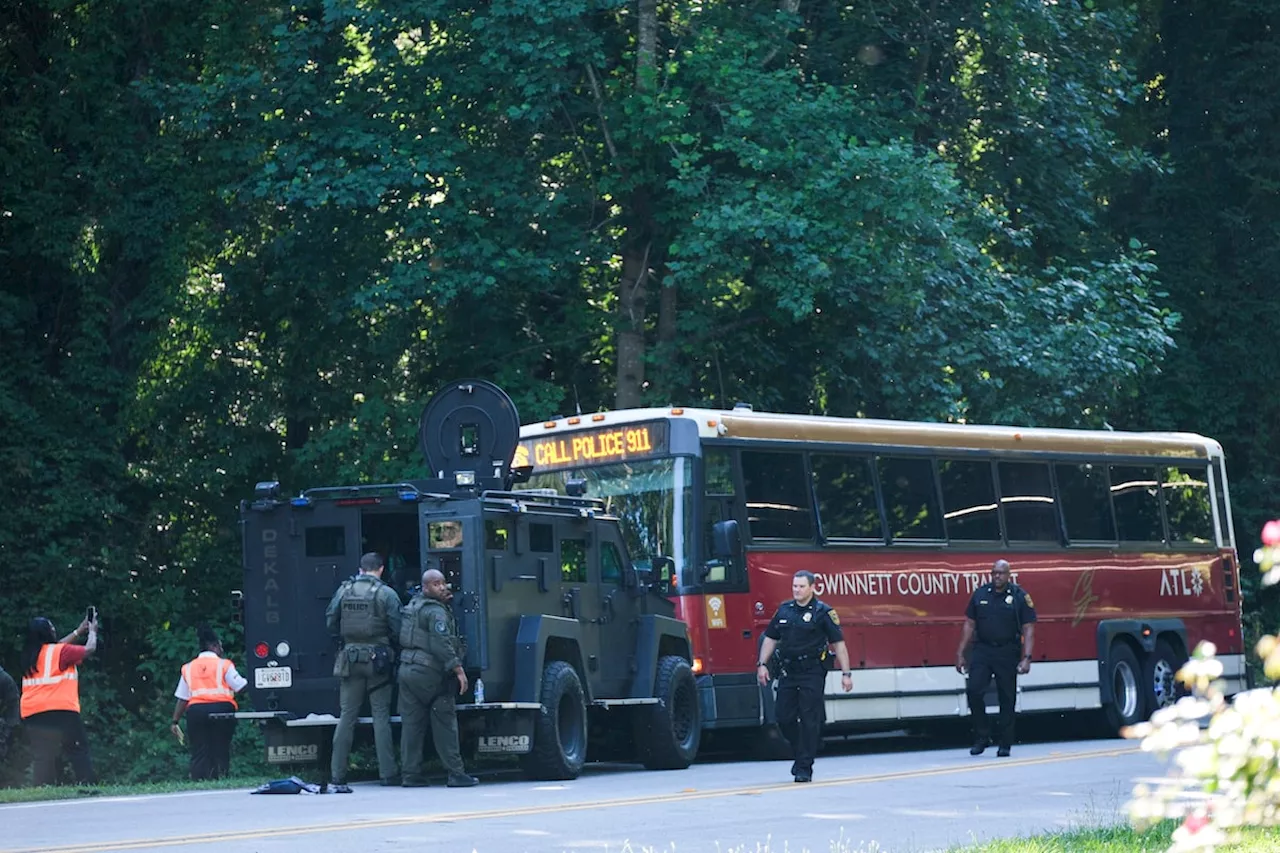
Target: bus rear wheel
pixel 1126 706
pixel 1160 676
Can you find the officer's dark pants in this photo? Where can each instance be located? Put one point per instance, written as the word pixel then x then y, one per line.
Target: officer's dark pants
pixel 801 713
pixel 352 691
pixel 1000 663
pixel 427 698
pixel 53 734
pixel 210 739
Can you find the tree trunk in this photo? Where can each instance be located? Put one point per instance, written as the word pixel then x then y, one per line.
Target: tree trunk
pixel 629 330
pixel 632 294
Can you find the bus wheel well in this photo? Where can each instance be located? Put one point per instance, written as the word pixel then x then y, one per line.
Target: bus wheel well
pixel 1175 641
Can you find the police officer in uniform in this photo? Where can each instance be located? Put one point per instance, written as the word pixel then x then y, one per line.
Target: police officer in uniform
pixel 430 673
pixel 800 632
pixel 1001 616
pixel 365 613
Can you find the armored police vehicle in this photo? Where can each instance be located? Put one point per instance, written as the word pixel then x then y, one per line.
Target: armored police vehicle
pixel 578 652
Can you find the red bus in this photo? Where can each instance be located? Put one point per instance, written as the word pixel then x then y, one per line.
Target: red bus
pixel 1123 539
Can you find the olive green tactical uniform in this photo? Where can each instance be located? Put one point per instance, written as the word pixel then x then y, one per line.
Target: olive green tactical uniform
pixel 365 612
pixel 431 650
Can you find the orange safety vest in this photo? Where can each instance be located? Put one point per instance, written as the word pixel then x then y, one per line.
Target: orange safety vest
pixel 206 679
pixel 51 688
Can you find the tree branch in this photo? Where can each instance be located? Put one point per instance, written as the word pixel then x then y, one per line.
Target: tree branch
pixel 598 95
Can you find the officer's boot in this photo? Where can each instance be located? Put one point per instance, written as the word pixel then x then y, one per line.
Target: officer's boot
pixel 461 780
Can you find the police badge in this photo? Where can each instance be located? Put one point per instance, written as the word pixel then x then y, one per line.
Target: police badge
pixel 808 617
pixel 1008 599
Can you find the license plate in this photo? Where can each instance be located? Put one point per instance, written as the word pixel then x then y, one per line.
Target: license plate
pixel 273 676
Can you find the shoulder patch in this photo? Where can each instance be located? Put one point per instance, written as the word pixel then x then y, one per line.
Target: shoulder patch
pixel 835 617
pixel 441 627
pixel 1027 597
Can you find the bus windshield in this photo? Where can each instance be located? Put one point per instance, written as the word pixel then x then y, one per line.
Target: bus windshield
pixel 652 500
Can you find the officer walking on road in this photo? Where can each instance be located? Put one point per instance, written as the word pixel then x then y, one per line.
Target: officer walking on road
pixel 365 613
pixel 430 670
pixel 208 686
pixel 800 631
pixel 1001 616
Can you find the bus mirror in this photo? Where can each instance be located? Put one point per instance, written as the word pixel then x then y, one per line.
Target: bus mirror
pixel 726 541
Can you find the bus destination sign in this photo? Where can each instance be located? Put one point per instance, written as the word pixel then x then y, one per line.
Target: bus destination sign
pixel 602 446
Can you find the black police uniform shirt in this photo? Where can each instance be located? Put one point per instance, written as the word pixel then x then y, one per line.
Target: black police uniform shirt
pixel 999 616
pixel 803 632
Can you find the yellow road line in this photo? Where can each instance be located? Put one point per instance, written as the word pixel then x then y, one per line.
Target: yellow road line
pixel 653 799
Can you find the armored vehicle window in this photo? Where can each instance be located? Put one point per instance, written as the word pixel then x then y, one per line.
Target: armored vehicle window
pixel 444 534
pixel 542 538
pixel 1135 492
pixel 496 534
pixel 573 560
pixel 1030 513
pixel 1186 505
pixel 969 500
pixel 326 541
pixel 910 498
pixel 777 495
pixel 1086 502
pixel 610 563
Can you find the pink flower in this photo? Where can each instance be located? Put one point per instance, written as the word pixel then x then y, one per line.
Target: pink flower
pixel 1194 823
pixel 1271 533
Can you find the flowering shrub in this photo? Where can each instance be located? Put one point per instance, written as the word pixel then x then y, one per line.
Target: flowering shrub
pixel 1226 755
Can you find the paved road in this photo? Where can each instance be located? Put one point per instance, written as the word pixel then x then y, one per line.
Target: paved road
pixel 904 801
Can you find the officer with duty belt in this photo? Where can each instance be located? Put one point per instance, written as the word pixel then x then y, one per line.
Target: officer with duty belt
pixel 365 613
pixel 430 673
pixel 1001 618
pixel 800 632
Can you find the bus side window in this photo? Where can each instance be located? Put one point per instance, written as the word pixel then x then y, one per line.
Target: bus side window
pixel 1026 496
pixel 777 495
pixel 910 498
pixel 1085 495
pixel 1186 505
pixel 1135 493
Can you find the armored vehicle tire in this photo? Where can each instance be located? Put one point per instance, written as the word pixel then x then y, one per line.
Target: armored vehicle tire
pixel 668 734
pixel 1126 705
pixel 560 733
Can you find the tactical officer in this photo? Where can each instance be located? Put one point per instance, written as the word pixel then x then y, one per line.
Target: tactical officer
pixel 430 670
pixel 800 631
pixel 365 613
pixel 1002 616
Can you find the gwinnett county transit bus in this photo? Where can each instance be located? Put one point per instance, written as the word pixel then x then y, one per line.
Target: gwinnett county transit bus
pixel 1123 540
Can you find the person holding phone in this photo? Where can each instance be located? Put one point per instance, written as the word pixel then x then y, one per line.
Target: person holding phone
pixel 50 704
pixel 208 686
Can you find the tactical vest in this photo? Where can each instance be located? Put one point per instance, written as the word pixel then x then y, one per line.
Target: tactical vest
pixel 361 621
pixel 412 635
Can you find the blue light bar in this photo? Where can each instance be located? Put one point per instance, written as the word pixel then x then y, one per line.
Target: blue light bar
pixel 409 496
pixel 300 500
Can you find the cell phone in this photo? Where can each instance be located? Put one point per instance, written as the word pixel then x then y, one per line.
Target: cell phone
pixel 91 613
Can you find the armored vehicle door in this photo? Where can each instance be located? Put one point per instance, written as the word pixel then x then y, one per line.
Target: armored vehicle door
pixel 295 559
pixel 621 602
pixel 579 593
pixel 453 542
